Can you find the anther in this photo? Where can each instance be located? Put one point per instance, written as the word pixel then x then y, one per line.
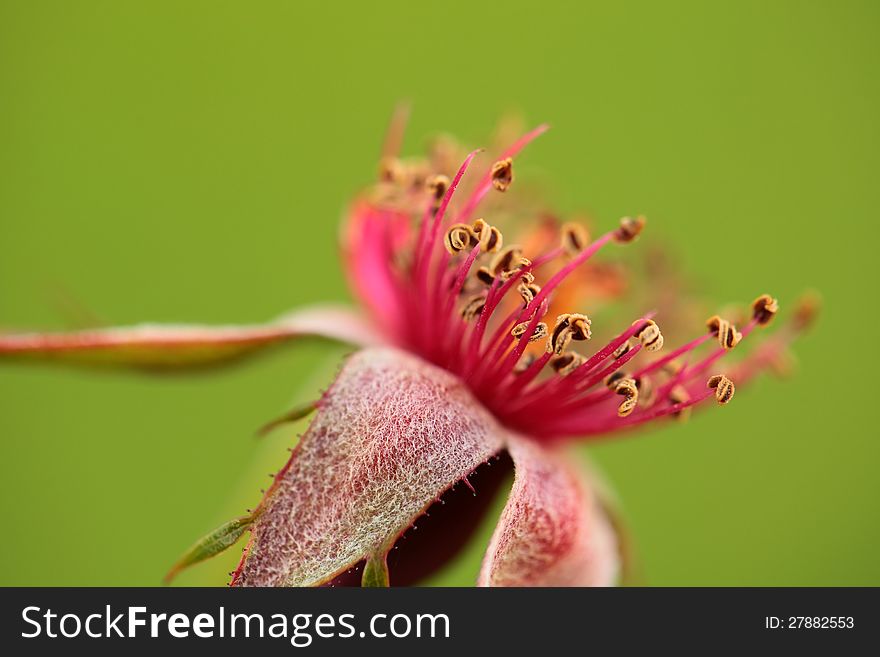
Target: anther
pixel 485 276
pixel 673 367
pixel 568 327
pixel 473 307
pixel 539 332
pixel 458 238
pixel 629 229
pixel 725 331
pixel 565 364
pixel 626 386
pixel 580 326
pixel 574 238
pixel 526 276
pixel 781 363
pixel 650 336
pixel 764 309
pixel 507 259
pixel 437 186
pixel 622 350
pixel 528 291
pixel 502 174
pixel 679 395
pixel 390 170
pixel 493 240
pixel 490 237
pixel 806 311
pixel 646 390
pixel 524 363
pixel 614 378
pixel 723 386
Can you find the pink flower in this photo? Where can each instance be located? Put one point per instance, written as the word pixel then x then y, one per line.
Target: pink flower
pixel 466 359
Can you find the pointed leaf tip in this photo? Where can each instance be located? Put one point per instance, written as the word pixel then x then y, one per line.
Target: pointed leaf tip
pixel 222 538
pixel 376 572
pixel 294 414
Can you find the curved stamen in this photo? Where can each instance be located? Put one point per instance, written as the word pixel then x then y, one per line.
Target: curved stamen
pixel 552 388
pixel 563 273
pixel 564 394
pixel 425 251
pixel 445 304
pixel 485 183
pixel 508 364
pixel 457 287
pixel 576 399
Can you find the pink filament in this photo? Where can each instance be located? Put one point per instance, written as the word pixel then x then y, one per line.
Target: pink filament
pixel 485 183
pixel 485 354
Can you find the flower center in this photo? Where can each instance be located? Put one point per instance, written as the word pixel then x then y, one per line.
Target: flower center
pixel 461 298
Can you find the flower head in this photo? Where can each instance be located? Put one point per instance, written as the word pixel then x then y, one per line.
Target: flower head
pixel 479 348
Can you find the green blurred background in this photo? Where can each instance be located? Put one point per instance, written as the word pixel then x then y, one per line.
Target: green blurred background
pixel 189 161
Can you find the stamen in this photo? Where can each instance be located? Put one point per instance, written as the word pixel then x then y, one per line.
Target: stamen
pixel 561 275
pixel 679 395
pixel 485 276
pixel 650 336
pixel 528 290
pixel 614 378
pixel 673 367
pixel 490 237
pixel 622 350
pixel 485 183
pixel 525 363
pixel 456 290
pixel 437 186
pixel 458 238
pixel 395 132
pixel 724 388
pixel 508 259
pixel 511 273
pixel 629 229
pixel 504 375
pixel 574 238
pixel 725 331
pixel 806 311
pixel 580 380
pixel 565 364
pixel 630 391
pixel 473 307
pixel 502 174
pixel 491 379
pixel 492 240
pixel 418 177
pixel 428 237
pixel 646 390
pixel 390 170
pixel 529 368
pixel 496 293
pixel 568 327
pixel 764 309
pixel 540 331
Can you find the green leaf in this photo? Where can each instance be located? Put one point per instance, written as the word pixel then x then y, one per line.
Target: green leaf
pixel 376 572
pixel 211 545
